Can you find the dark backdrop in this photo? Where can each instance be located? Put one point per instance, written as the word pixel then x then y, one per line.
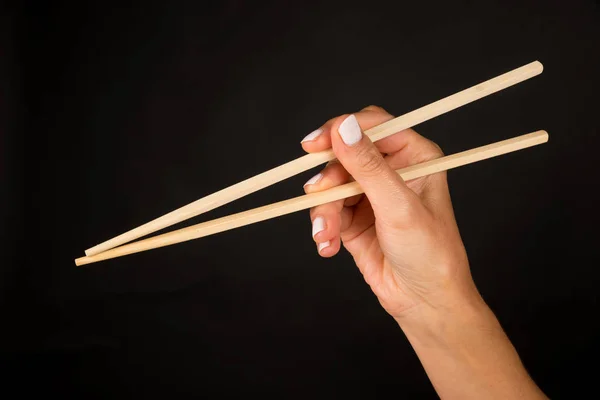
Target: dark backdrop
pixel 113 114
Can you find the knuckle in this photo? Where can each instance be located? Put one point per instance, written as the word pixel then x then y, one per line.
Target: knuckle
pixel 436 149
pixel 429 151
pixel 375 108
pixel 432 149
pixel 369 160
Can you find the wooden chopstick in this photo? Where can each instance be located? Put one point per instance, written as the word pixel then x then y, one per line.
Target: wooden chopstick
pixel 314 199
pixel 309 161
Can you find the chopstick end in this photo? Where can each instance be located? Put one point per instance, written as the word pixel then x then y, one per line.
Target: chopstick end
pixel 543 135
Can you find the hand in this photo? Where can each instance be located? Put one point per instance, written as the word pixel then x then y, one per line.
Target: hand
pixel 403 235
pixel 404 239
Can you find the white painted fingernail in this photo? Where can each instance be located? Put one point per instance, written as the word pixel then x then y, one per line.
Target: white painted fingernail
pixel 314 179
pixel 350 131
pixel 312 136
pixel 318 225
pixel 324 245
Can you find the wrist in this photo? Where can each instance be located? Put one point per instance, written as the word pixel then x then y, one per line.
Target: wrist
pixel 465 343
pixel 442 326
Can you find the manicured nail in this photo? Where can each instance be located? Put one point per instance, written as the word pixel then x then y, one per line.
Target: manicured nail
pixel 312 136
pixel 350 131
pixel 323 245
pixel 314 179
pixel 318 225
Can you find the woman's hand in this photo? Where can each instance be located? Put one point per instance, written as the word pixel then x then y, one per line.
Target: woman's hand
pixel 404 239
pixel 402 235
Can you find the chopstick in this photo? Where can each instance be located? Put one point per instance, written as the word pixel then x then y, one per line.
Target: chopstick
pixel 309 161
pixel 314 199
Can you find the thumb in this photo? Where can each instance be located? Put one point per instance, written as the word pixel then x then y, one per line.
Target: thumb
pixel 388 194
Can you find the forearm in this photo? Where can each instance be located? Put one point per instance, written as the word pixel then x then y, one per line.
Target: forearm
pixel 467 355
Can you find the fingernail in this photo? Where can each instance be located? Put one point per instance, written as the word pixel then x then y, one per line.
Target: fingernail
pixel 318 225
pixel 323 245
pixel 314 179
pixel 350 131
pixel 312 136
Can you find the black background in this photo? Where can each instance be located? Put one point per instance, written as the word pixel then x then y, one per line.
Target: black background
pixel 113 114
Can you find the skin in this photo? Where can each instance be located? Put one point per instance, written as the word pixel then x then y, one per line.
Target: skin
pixel 405 241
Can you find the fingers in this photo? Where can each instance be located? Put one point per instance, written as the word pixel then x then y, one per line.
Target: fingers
pixel 326 223
pixel 387 192
pixel 339 220
pixel 317 140
pixel 412 148
pixel 408 148
pixel 326 219
pixel 320 139
pixel 368 117
pixel 333 175
pixel 388 198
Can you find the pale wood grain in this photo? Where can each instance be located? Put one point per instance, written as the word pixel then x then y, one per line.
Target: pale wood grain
pixel 314 199
pixel 312 160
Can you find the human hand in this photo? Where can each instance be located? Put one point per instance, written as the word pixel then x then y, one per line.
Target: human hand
pixel 403 235
pixel 404 239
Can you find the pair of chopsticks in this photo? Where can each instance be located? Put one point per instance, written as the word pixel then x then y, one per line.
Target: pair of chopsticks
pixel 117 247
